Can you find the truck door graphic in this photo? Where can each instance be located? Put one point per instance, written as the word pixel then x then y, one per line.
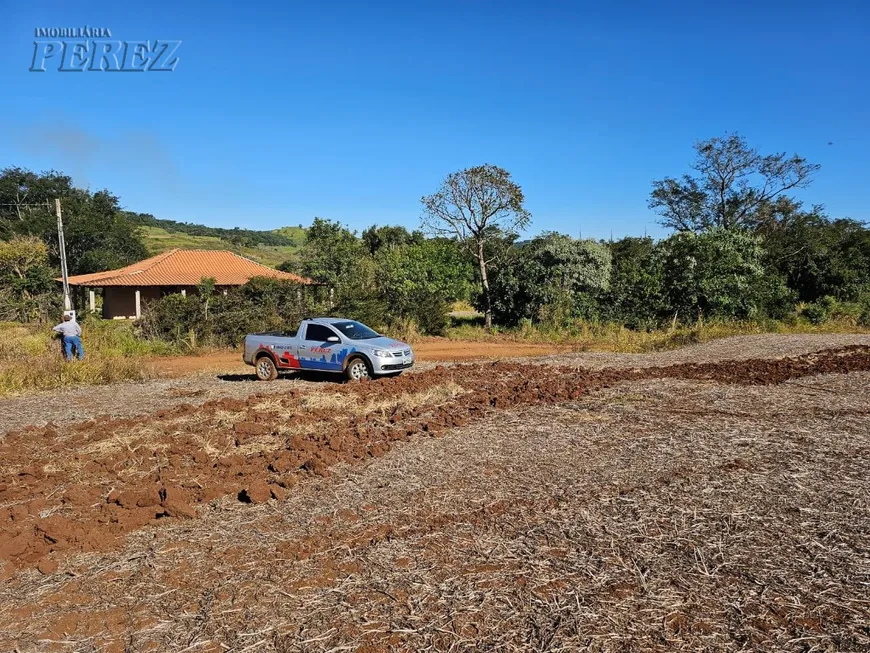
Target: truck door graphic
pixel 315 352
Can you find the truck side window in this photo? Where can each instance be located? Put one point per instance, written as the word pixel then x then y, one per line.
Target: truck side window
pixel 317 333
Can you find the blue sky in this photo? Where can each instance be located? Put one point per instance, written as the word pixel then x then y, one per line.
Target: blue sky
pixel 280 111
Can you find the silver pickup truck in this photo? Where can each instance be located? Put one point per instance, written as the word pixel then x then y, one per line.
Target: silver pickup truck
pixel 327 344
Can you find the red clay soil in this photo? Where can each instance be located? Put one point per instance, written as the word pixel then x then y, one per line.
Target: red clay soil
pixel 434 349
pixel 84 487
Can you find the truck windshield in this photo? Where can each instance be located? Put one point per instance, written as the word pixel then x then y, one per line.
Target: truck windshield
pixel 354 330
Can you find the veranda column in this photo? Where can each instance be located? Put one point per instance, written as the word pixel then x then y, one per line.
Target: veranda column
pixel 138 304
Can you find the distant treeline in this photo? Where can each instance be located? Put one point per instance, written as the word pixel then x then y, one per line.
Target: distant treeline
pixel 236 236
pixel 741 248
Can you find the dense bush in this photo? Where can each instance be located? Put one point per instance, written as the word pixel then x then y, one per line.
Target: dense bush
pixel 816 313
pixel 26 281
pixel 716 273
pixel 552 278
pixel 818 257
pixel 408 274
pixel 830 308
pixel 635 294
pixel 206 317
pixel 33 308
pixel 432 314
pixel 637 282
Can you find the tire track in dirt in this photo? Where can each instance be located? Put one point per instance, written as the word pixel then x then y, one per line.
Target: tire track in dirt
pixel 84 487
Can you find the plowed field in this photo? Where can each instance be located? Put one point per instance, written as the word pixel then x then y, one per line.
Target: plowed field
pixel 502 505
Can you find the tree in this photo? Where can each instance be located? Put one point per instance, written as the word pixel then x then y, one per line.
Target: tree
pixel 26 280
pixel 635 294
pixel 717 273
pixel 99 236
pixel 552 278
pixel 476 205
pixel 26 197
pixel 24 266
pixel 20 254
pixel 435 266
pixel 376 237
pixel 332 254
pixel 734 182
pixel 819 257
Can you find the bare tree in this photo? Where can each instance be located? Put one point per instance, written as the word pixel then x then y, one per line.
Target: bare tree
pixel 733 182
pixel 476 205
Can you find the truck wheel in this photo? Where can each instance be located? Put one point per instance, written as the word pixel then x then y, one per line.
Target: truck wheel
pixel 357 370
pixel 266 370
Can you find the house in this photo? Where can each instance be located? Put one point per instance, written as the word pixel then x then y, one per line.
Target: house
pixel 176 271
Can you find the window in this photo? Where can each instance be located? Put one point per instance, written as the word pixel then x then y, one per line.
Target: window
pixel 318 333
pixel 355 330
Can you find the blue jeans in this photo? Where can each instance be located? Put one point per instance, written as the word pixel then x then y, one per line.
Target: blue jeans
pixel 73 341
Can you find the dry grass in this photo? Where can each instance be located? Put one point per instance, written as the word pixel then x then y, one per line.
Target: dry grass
pixel 735 348
pixel 326 401
pixel 49 371
pixel 129 442
pixel 588 336
pixel 31 359
pixel 657 515
pixel 435 395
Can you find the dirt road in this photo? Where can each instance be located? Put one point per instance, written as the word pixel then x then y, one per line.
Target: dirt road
pixel 430 350
pixel 706 504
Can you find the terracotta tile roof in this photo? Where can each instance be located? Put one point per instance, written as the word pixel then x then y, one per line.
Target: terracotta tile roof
pixel 185 267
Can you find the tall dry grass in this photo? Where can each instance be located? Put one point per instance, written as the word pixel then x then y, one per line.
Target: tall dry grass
pixel 31 357
pixel 591 336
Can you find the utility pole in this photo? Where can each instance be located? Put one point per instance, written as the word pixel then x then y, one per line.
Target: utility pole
pixel 61 243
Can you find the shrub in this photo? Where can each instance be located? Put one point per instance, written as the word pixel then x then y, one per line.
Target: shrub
pixel 553 278
pixel 830 308
pixel 635 294
pixel 432 314
pixel 716 273
pixel 816 312
pixel 40 308
pixel 174 318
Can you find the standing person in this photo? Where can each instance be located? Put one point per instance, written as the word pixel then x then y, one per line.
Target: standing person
pixel 72 337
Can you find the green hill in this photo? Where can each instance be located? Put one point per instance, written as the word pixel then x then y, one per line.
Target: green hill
pixel 296 234
pixel 267 247
pixel 159 239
